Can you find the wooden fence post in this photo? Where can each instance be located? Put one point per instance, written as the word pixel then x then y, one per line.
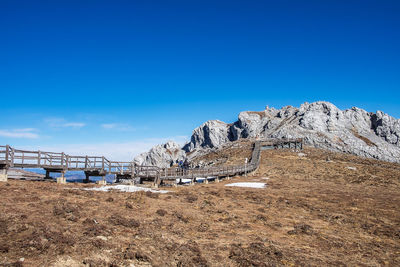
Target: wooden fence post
pixel 66 161
pixel 7 152
pixel 12 157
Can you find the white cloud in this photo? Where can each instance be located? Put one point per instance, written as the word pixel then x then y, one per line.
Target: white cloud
pixel 109 125
pixel 25 130
pixel 117 126
pixel 123 151
pixel 62 123
pixel 20 133
pixel 74 124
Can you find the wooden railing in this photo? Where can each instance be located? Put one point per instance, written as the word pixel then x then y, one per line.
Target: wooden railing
pixel 10 157
pixel 212 172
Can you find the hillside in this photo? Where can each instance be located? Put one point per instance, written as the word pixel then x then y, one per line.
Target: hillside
pixel 318 208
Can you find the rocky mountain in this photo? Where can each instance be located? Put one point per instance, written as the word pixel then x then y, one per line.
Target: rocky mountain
pixel 211 134
pixel 163 156
pixel 321 124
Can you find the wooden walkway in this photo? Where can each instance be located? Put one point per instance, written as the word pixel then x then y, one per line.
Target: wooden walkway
pixel 61 163
pixel 282 143
pixel 101 166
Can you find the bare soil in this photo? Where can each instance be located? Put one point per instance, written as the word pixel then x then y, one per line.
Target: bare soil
pixel 319 209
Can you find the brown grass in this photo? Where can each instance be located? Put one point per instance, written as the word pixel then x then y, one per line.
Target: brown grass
pixel 232 155
pixel 313 212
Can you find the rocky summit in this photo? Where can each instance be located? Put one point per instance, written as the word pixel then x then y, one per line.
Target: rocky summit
pixel 163 156
pixel 321 125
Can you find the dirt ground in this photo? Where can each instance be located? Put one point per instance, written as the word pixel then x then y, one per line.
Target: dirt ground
pixel 318 209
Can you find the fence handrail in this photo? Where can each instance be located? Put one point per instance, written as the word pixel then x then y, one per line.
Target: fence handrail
pixel 10 157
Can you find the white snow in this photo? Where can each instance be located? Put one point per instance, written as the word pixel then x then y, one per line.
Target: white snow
pixel 125 188
pixel 247 184
pixel 352 168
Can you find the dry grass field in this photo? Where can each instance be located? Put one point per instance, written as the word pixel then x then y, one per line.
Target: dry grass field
pixel 313 211
pixel 233 154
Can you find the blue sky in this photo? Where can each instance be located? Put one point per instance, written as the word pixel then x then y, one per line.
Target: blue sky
pixel 121 76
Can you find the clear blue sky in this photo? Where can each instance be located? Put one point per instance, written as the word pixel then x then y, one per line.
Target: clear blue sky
pixel 123 75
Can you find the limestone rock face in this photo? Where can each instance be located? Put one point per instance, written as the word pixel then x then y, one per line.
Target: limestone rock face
pixel 163 156
pixel 211 134
pixel 386 127
pixel 321 124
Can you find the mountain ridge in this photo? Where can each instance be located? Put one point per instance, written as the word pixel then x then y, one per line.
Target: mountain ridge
pixel 321 124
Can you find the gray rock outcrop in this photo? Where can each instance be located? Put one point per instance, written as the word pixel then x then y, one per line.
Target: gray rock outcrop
pixel 321 124
pixel 163 156
pixel 211 134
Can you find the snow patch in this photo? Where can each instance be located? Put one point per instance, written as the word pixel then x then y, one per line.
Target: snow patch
pixel 247 184
pixel 125 188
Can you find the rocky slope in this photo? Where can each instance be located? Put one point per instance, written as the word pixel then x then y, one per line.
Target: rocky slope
pixel 321 124
pixel 163 156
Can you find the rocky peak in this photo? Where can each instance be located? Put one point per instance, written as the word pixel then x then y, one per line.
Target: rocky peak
pixel 163 156
pixel 321 124
pixel 386 127
pixel 210 134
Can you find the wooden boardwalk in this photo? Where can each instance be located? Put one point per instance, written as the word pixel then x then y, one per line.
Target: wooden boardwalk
pixel 101 166
pixel 61 163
